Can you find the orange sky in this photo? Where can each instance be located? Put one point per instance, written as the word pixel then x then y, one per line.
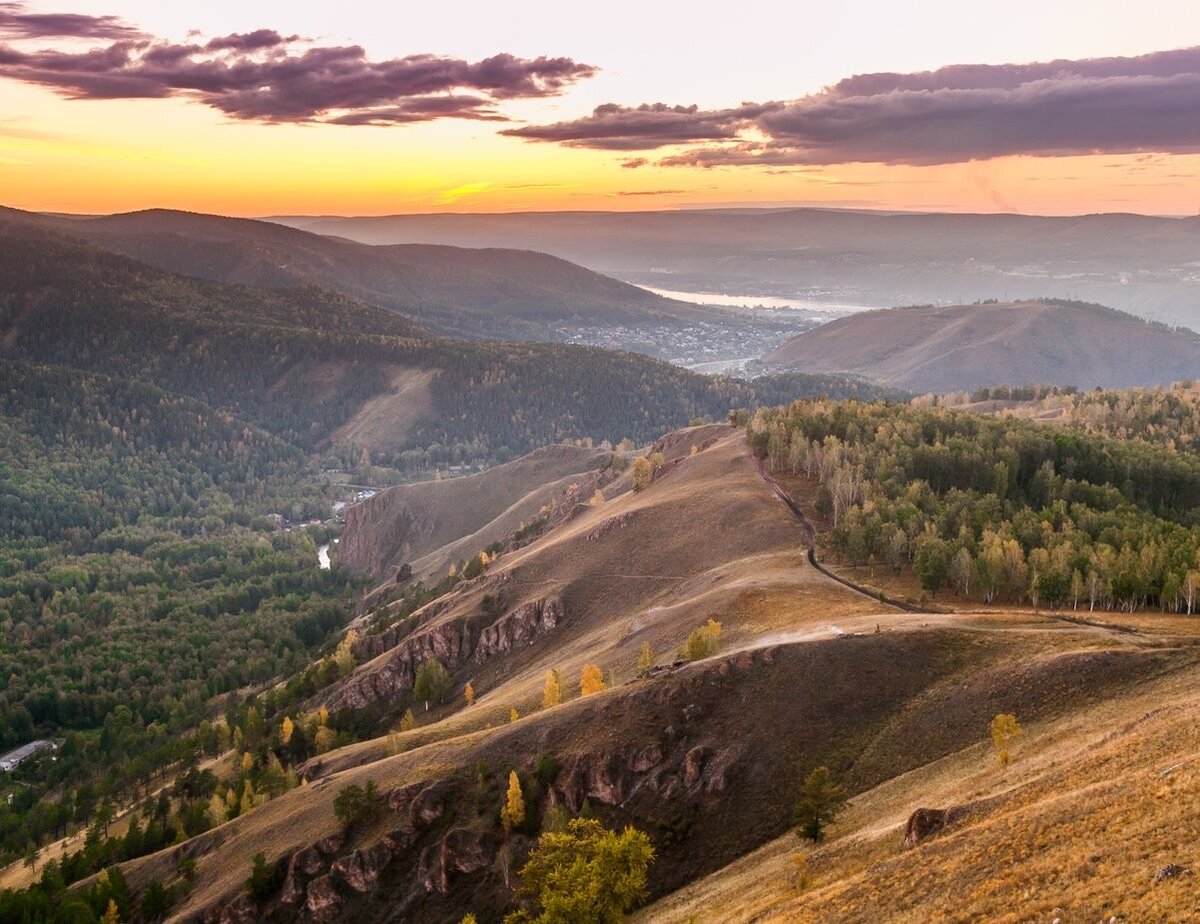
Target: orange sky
pixel 60 154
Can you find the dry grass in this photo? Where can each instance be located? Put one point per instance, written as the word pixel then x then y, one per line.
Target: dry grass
pixel 897 708
pixel 1095 804
pixel 383 422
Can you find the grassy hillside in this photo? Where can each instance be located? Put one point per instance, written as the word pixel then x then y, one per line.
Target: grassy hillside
pixel 706 757
pixel 1086 823
pixel 410 522
pixel 969 346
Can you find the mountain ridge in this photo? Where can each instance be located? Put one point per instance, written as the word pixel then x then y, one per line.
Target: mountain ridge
pixel 948 348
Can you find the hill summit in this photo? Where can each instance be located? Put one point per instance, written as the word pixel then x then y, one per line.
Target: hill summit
pixel 930 348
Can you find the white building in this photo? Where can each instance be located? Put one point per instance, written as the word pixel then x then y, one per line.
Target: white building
pixel 14 758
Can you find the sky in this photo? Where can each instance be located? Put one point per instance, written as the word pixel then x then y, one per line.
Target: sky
pixel 366 108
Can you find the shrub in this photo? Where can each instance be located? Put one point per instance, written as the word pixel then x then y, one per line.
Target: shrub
pixel 586 873
pixel 353 804
pixel 1005 731
pixel 703 642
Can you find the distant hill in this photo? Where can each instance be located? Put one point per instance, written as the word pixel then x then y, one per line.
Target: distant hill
pixel 969 346
pixel 491 292
pixel 319 369
pixel 1137 263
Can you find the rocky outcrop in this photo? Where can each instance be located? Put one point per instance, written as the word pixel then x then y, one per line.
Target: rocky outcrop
pixel 926 822
pixel 450 643
pixel 461 851
pixel 360 870
pixel 241 910
pixel 453 643
pixel 523 626
pixel 610 525
pixel 323 902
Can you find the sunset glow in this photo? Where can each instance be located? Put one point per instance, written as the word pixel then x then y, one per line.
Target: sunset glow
pixel 67 148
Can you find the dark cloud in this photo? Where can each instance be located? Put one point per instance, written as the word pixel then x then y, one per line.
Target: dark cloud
pixel 16 23
pixel 950 115
pixel 268 77
pixel 653 125
pixel 250 41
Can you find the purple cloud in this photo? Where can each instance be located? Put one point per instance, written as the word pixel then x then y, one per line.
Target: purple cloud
pixel 268 77
pixel 654 125
pixel 16 24
pixel 950 115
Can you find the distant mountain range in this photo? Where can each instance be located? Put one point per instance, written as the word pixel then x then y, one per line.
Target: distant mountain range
pixel 321 370
pixel 1145 265
pixel 967 346
pixel 469 293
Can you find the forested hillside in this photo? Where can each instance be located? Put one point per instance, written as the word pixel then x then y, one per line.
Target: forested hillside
pixel 301 363
pixel 472 293
pixel 139 578
pixel 999 509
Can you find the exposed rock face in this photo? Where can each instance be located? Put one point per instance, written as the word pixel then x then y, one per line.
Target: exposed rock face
pixel 926 822
pixel 449 643
pixel 452 643
pixel 519 628
pixel 323 902
pixel 361 869
pixel 427 807
pixel 461 851
pixel 241 910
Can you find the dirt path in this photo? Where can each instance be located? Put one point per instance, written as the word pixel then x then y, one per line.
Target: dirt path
pixel 810 533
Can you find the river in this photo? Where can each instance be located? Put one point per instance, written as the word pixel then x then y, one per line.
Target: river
pixel 323 557
pixel 762 301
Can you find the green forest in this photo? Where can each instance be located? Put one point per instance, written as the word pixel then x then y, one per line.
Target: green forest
pixel 1002 509
pixel 140 581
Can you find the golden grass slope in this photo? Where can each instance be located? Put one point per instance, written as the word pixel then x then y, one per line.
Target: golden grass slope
pixel 1096 803
pixel 404 523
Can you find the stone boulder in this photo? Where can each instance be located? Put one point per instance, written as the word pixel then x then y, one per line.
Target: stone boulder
pixel 926 822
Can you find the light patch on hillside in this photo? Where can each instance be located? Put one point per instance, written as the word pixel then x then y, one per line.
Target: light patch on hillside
pixel 383 422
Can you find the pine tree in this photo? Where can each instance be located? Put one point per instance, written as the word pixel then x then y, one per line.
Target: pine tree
pixel 512 815
pixel 820 801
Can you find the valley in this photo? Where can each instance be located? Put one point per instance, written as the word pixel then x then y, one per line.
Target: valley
pixel 670 464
